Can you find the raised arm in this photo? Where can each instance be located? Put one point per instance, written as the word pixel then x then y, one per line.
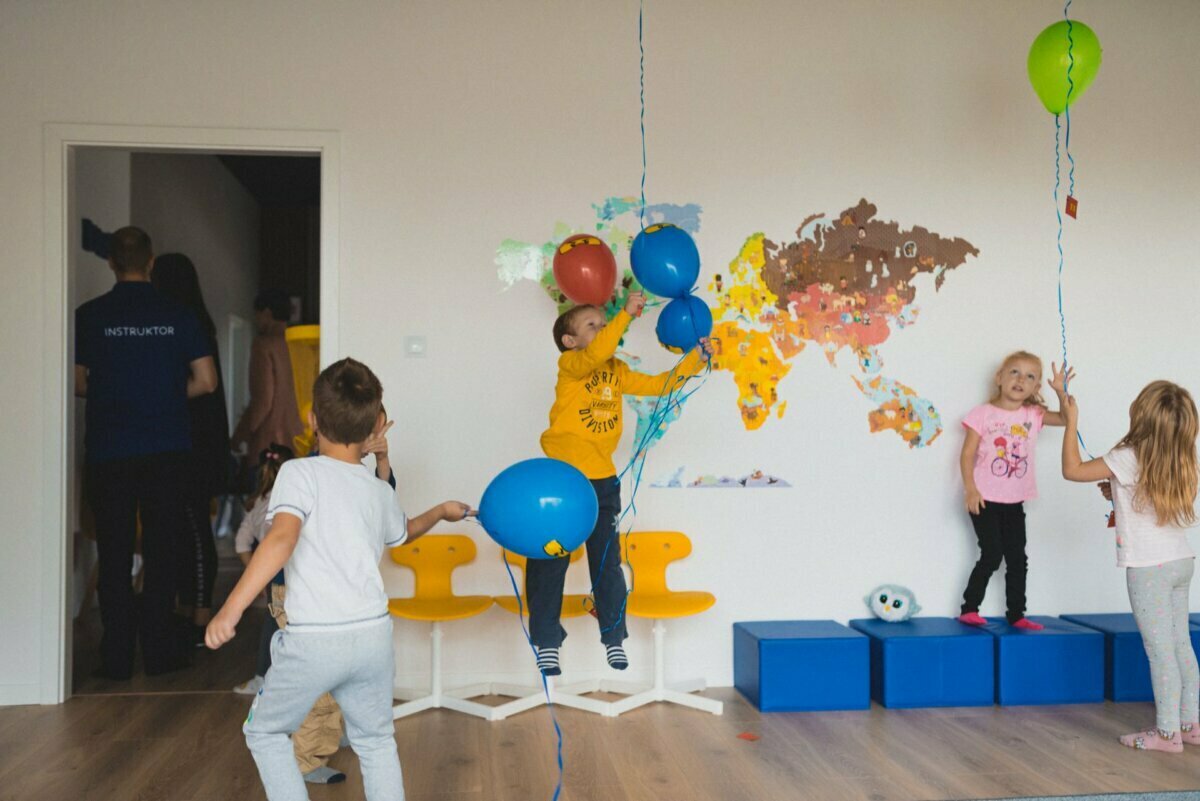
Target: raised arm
pixel 635 383
pixel 1058 382
pixel 578 363
pixel 1073 466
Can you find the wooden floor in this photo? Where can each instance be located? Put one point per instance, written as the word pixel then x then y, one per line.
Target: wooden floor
pixel 178 738
pixel 189 747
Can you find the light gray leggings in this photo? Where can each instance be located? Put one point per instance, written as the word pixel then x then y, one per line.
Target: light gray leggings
pixel 1159 596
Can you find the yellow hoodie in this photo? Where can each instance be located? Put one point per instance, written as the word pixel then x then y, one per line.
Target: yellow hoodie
pixel 585 421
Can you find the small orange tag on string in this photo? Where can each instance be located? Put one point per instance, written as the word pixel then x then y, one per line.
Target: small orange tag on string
pixel 1112 519
pixel 1072 207
pixel 747 736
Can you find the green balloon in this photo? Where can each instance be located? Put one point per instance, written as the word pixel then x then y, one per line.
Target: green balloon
pixel 1048 62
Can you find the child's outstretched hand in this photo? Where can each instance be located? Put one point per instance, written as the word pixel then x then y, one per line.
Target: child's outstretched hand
pixel 221 629
pixel 635 303
pixel 453 511
pixel 706 347
pixel 377 444
pixel 1070 410
pixel 974 500
pixel 1060 378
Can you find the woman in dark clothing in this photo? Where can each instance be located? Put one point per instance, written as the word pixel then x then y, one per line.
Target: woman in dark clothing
pixel 175 276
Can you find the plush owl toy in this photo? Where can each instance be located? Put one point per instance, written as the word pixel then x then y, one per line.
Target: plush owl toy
pixel 892 603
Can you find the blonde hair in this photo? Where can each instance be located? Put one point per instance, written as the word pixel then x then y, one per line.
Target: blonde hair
pixel 1162 433
pixel 1035 398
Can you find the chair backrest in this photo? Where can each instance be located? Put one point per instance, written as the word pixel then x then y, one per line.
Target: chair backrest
pixel 649 552
pixel 518 561
pixel 432 559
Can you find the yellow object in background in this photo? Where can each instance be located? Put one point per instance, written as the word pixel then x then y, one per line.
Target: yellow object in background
pixel 304 348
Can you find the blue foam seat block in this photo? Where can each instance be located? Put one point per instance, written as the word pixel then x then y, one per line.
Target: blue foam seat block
pixel 1126 669
pixel 801 665
pixel 930 661
pixel 1062 664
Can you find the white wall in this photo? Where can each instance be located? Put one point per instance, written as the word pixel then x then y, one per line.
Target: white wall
pixel 465 123
pixel 192 205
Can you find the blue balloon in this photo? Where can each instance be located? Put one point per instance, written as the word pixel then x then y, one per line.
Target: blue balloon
pixel 682 323
pixel 539 508
pixel 665 260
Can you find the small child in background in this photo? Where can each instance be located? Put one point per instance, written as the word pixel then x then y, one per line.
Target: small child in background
pixel 998 477
pixel 251 531
pixel 1151 478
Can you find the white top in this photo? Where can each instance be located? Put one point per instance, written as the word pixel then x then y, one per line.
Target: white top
pixel 348 517
pixel 1141 541
pixel 253 527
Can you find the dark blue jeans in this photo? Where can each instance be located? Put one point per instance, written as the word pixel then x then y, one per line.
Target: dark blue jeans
pixel 544 578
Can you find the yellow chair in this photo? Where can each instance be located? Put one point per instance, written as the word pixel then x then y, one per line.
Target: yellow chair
pixel 304 351
pixel 525 698
pixel 648 553
pixel 432 560
pixel 572 605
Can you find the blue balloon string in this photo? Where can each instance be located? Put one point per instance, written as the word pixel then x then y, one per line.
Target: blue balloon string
pixel 642 119
pixel 545 685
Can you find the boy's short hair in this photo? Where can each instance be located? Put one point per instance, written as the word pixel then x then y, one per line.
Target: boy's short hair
pixel 129 250
pixel 565 324
pixel 347 398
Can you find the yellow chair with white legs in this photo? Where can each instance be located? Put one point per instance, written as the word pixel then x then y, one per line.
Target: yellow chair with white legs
pixel 525 698
pixel 648 553
pixel 433 559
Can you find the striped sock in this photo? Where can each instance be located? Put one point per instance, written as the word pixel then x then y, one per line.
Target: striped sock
pixel 547 661
pixel 616 657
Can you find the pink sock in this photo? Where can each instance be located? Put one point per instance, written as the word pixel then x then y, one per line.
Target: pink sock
pixel 1027 624
pixel 1190 733
pixel 1153 740
pixel 972 619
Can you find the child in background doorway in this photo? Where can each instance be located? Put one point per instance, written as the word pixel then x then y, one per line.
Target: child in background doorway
pixel 1151 478
pixel 998 477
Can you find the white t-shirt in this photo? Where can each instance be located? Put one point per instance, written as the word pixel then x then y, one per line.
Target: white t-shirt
pixel 348 517
pixel 1141 541
pixel 253 527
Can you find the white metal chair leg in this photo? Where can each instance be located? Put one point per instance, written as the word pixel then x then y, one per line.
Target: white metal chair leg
pixel 437 698
pixel 526 698
pixel 677 693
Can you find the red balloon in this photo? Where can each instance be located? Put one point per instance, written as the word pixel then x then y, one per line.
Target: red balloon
pixel 585 270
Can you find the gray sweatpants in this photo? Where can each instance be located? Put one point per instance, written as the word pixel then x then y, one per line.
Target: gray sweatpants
pixel 357 666
pixel 1159 596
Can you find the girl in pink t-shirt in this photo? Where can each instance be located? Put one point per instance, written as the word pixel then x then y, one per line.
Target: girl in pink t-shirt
pixel 998 477
pixel 1152 481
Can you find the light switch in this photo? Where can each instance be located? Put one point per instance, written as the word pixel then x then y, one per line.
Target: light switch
pixel 414 347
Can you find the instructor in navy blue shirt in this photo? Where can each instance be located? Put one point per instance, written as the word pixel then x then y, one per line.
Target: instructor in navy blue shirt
pixel 138 358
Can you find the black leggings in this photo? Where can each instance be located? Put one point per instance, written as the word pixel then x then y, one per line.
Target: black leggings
pixel 198 571
pixel 1000 528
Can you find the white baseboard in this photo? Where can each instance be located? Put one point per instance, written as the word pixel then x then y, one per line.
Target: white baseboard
pixel 20 694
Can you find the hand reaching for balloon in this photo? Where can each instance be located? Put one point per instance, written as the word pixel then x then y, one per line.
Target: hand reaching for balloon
pixel 377 444
pixel 706 347
pixel 635 303
pixel 453 511
pixel 1060 379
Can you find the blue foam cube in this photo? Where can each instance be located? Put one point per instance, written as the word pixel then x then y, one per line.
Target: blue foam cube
pixel 1062 664
pixel 801 665
pixel 930 661
pixel 1126 669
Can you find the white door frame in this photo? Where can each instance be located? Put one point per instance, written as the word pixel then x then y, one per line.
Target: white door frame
pixel 60 140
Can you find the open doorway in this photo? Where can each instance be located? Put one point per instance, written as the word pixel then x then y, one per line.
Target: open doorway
pixel 249 215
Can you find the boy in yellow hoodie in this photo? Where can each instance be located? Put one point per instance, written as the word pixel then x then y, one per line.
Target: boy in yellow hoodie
pixel 585 427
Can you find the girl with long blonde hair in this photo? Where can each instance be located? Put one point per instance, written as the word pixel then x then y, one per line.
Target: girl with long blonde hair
pixel 1151 477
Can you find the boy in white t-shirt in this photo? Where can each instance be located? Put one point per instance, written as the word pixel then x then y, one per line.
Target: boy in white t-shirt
pixel 330 520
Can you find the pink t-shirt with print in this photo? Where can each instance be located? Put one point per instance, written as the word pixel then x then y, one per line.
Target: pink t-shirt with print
pixel 1004 470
